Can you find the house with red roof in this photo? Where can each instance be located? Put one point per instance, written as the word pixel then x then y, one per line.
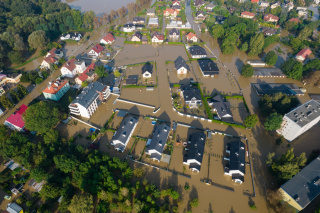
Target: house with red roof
pixel 254 1
pixel 56 89
pixel 192 37
pixel 157 38
pixel 108 39
pixel 296 20
pixel 52 57
pixel 247 14
pixel 88 75
pixel 270 18
pixel 72 68
pixel 96 50
pixel 170 12
pixel 15 121
pixel 303 54
pixel 175 3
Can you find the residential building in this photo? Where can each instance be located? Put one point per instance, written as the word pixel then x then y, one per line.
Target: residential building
pixel 247 14
pixel 122 136
pixel 192 97
pixel 158 141
pixel 267 31
pixel 108 39
pixel 208 67
pixel 170 12
pixel 138 20
pixel 271 72
pixel 271 18
pixel 302 13
pixel 176 3
pixel 275 5
pixel 220 19
pixel 14 208
pixel 257 63
pixel 96 50
pixel 181 66
pixel 197 52
pixel 274 88
pixel 137 37
pixel 222 108
pixel 87 102
pixel 56 89
pixel 194 151
pixel 153 22
pixel 232 10
pixel 52 57
pixel 151 12
pixel 299 120
pixel 209 6
pixel 157 38
pixel 296 20
pixel 71 36
pixel 177 8
pixel 15 121
pixel 192 37
pixel 88 75
pixel 303 54
pixel 178 24
pixel 199 3
pixel 72 68
pixel 132 80
pixel 288 6
pixel 128 28
pixel 10 77
pixel 139 26
pixel 200 15
pixel 315 97
pixel 174 33
pixel 255 1
pixel 147 70
pixel 304 187
pixel 2 91
pixel 3 78
pixel 236 167
pixel 264 4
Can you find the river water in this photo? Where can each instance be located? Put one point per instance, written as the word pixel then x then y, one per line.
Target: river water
pixel 97 6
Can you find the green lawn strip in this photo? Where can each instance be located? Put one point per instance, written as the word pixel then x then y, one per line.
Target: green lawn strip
pixel 174 43
pixel 170 155
pixel 26 62
pixel 176 85
pixel 133 42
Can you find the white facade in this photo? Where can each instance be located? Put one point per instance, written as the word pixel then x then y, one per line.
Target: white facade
pixel 129 29
pixel 79 68
pixel 102 41
pixel 182 70
pixel 93 53
pixel 275 5
pixel 198 56
pixel 156 40
pixel 13 127
pixel 146 75
pixel 194 39
pixel 291 129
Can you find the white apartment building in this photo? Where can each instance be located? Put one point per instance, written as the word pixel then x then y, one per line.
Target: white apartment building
pixel 89 99
pixel 72 68
pixel 300 120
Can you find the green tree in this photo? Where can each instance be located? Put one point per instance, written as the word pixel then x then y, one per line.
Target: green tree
pixel 139 172
pixel 51 136
pixel 41 117
pixel 4 133
pixel 38 80
pixel 15 57
pixel 65 163
pixel 50 191
pixel 244 47
pixel 14 96
pixel 273 121
pixel 22 91
pixel 256 44
pixel 38 39
pixel 271 58
pixel 38 174
pixel 293 69
pixel 101 71
pixel 247 70
pixel 296 44
pixel 81 204
pixel 217 31
pixel 6 103
pixel 117 74
pixel 250 121
pixel 305 33
pixel 84 84
pixel 194 202
pixel 25 77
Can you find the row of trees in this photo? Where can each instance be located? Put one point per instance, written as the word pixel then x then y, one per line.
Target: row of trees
pixel 296 70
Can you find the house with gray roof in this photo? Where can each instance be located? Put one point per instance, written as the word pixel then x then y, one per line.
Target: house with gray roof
pixel 158 141
pixel 88 101
pixel 151 12
pixel 197 52
pixel 14 208
pixel 222 108
pixel 208 67
pixel 181 66
pixel 236 158
pixel 300 120
pixel 147 70
pixel 194 151
pixel 304 187
pixel 273 88
pixel 123 134
pixel 192 97
pixel 174 33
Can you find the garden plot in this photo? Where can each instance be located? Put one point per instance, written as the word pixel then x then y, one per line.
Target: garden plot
pixel 238 109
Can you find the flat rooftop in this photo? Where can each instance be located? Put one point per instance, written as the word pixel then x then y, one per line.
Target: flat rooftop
pixel 270 89
pixel 267 72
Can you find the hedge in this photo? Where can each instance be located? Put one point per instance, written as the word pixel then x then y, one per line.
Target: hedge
pixel 175 43
pixel 238 97
pixel 133 42
pixel 176 85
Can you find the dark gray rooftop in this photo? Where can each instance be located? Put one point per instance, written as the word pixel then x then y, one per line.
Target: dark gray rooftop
pixel 273 88
pixel 138 18
pixel 132 79
pixel 196 147
pixel 305 113
pixel 267 72
pixel 89 94
pixel 159 139
pixel 124 131
pixel 315 97
pixel 208 67
pixel 304 186
pixel 197 50
pixel 180 62
pixel 174 30
pixel 223 108
pixel 190 93
pixel 147 67
pixel 237 156
pixel 138 34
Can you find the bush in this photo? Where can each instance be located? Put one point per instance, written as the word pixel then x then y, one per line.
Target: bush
pixel 271 58
pixel 253 206
pixel 247 70
pixel 15 57
pixel 194 202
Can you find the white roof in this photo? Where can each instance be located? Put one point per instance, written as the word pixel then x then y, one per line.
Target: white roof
pixel 13 208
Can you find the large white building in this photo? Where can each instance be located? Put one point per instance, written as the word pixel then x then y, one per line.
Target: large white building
pixel 72 68
pixel 300 120
pixel 89 99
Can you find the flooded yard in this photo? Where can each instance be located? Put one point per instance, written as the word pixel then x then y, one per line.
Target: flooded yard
pixel 137 71
pixel 238 110
pixel 141 96
pixel 175 78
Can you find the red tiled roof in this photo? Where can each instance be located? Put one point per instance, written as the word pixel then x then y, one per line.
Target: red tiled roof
pixel 191 35
pixel 160 37
pixel 70 64
pixel 55 86
pixel 52 52
pixel 294 20
pixel 304 53
pixel 176 2
pixel 50 59
pixel 97 48
pixel 84 76
pixel 254 1
pixel 246 13
pixel 16 118
pixel 270 16
pixel 170 11
pixel 109 38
